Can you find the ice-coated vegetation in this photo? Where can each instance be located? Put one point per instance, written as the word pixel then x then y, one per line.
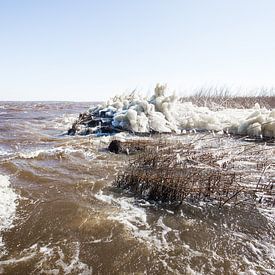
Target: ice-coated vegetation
pixel 168 114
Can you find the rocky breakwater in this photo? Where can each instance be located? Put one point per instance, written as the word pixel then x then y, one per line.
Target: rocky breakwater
pixel 93 122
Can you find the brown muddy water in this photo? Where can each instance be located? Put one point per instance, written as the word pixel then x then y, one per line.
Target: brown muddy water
pixel 60 214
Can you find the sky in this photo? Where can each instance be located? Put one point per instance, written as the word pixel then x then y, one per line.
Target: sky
pixel 91 50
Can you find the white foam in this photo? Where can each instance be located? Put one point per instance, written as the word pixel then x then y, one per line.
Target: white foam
pixel 8 203
pixel 268 212
pixel 163 239
pixel 52 253
pixel 74 265
pixel 65 121
pixel 134 218
pixel 4 153
pixel 55 151
pixel 165 230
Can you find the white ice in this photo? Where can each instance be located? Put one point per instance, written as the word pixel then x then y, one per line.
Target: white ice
pixel 163 113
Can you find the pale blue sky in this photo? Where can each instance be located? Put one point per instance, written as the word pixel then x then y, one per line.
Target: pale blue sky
pixel 89 50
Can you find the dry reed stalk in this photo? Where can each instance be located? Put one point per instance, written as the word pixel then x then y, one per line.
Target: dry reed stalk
pixel 224 97
pixel 173 172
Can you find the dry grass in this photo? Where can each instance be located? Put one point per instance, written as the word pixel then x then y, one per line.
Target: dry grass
pixel 222 97
pixel 174 172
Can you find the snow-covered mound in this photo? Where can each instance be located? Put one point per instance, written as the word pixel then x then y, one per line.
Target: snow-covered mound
pixel 166 114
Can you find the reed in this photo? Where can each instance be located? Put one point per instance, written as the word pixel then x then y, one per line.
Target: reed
pixel 174 172
pixel 223 97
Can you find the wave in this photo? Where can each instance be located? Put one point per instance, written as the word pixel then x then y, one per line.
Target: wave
pixel 42 154
pixel 65 121
pixel 133 217
pixel 60 151
pixel 54 254
pixel 163 235
pixel 8 203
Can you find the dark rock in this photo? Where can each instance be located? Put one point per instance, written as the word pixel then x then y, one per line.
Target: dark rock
pixel 92 123
pixel 115 146
pixel 127 147
pixel 71 132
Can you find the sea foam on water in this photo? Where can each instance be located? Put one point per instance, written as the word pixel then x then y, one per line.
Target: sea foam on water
pixel 7 206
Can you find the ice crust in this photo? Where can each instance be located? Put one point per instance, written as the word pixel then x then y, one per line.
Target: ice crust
pixel 166 114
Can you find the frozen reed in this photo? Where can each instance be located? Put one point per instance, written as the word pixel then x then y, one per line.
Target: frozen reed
pixel 170 171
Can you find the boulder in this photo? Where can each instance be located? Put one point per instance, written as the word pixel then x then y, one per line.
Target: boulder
pixel 127 147
pixel 115 147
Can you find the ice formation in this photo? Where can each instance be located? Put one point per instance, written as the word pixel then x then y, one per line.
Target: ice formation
pixel 166 114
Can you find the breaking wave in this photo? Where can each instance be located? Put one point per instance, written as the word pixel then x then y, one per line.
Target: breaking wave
pixel 8 203
pixel 164 237
pixel 42 154
pixel 54 254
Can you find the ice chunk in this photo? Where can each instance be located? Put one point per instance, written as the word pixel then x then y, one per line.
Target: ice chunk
pixel 254 129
